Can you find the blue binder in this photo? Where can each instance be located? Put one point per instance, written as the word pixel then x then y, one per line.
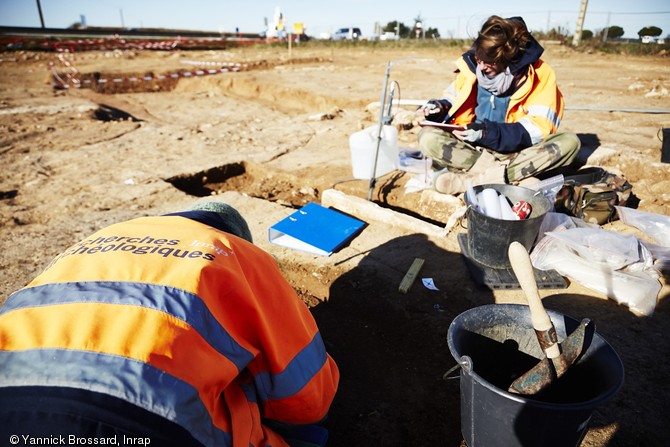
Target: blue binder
pixel 315 229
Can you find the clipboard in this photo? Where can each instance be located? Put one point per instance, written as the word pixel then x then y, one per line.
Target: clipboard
pixel 443 126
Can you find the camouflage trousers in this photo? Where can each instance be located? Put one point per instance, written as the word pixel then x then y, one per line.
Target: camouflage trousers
pixel 447 151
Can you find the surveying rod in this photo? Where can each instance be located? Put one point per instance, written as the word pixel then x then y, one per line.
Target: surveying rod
pixel 373 178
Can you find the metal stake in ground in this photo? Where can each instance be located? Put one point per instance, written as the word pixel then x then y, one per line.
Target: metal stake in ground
pixel 373 176
pixel 384 119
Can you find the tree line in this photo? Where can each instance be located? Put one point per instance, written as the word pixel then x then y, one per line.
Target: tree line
pixel 417 30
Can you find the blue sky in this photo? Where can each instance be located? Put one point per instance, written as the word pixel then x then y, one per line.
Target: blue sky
pixel 452 19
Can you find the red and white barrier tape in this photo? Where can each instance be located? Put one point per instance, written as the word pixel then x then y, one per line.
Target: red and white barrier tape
pixel 205 63
pixel 60 83
pixel 69 72
pixel 115 44
pixel 68 77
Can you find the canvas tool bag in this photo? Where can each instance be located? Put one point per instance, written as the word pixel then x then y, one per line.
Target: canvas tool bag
pixel 592 195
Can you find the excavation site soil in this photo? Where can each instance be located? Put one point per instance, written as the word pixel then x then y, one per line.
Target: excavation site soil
pixel 271 134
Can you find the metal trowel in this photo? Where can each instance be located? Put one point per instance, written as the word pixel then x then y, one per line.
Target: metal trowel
pixel 559 356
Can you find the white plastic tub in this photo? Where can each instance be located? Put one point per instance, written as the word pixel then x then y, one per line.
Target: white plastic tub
pixel 363 146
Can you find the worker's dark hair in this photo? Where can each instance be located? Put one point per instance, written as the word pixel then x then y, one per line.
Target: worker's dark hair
pixel 501 41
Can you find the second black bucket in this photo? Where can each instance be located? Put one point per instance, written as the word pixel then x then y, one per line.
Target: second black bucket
pixel 489 238
pixel 494 344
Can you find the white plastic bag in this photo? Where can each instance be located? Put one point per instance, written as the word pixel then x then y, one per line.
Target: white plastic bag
pixel 549 187
pixel 593 265
pixel 656 226
pixel 601 246
pixel 660 254
pixel 559 221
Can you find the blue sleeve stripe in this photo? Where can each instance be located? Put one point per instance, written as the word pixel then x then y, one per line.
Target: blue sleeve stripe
pixel 183 305
pixel 133 381
pixel 297 374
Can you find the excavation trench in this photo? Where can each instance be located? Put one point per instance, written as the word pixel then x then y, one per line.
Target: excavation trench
pixel 292 189
pixel 296 190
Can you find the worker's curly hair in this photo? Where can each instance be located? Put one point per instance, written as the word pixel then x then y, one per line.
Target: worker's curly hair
pixel 501 41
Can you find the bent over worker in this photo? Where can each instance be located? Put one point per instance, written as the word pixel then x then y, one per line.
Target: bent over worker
pixel 508 100
pixel 174 329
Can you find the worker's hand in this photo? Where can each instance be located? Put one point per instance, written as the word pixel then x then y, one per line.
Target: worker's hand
pixel 436 110
pixel 473 133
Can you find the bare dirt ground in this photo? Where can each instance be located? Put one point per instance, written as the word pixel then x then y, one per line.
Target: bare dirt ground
pixel 277 132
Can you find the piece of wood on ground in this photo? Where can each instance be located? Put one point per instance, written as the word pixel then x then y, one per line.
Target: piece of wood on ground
pixel 411 275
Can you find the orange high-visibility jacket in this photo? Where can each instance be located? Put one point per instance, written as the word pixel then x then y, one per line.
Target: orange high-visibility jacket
pixel 191 323
pixel 538 104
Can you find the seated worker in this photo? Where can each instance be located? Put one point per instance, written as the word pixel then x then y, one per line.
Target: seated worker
pixel 173 330
pixel 508 100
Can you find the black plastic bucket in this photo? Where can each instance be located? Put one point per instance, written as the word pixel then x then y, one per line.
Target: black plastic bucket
pixel 489 238
pixel 494 344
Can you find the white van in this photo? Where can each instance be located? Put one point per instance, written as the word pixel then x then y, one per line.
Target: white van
pixel 347 34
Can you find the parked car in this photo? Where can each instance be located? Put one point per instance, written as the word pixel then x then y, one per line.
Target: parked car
pixel 389 35
pixel 347 34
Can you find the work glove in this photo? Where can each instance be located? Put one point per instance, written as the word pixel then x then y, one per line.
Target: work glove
pixel 473 133
pixel 436 110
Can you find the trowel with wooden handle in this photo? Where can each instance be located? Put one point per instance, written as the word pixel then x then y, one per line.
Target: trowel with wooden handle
pixel 559 356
